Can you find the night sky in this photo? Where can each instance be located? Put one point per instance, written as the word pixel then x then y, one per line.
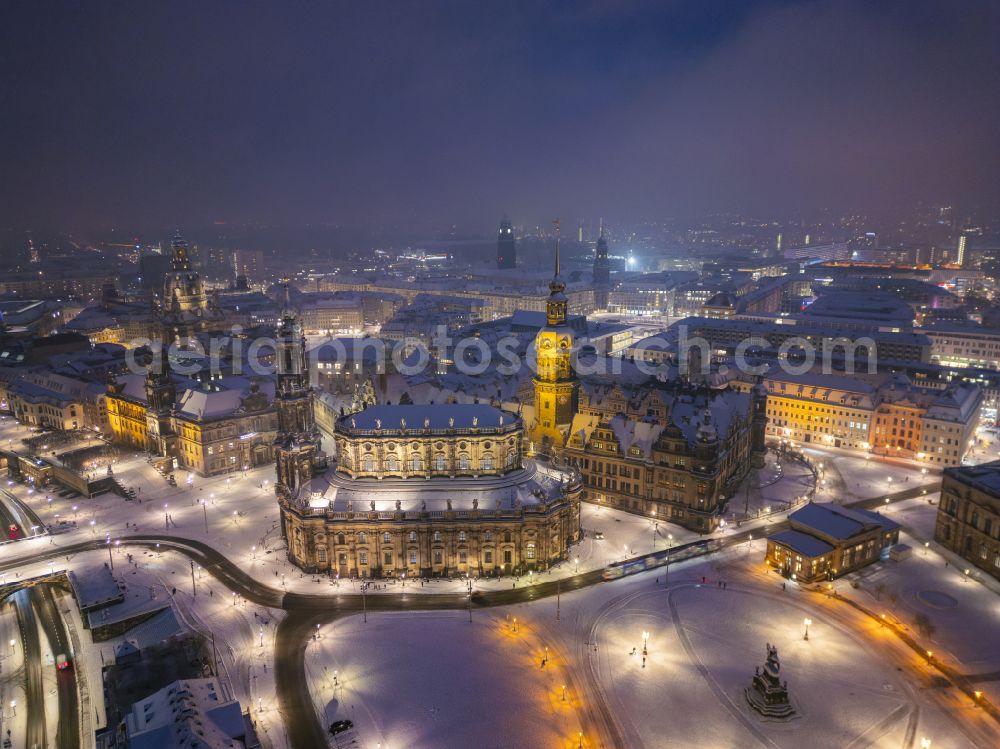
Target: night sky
pixel 157 114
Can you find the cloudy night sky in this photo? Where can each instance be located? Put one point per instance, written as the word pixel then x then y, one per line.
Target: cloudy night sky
pixel 294 113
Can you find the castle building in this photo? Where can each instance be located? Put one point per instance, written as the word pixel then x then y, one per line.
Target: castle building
pixel 506 249
pixel 211 428
pixel 676 454
pixel 432 490
pixel 556 385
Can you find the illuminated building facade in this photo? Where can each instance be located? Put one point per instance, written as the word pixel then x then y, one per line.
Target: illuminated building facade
pixel 432 490
pixel 968 518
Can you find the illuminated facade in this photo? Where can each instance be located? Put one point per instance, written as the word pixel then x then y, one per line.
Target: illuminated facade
pixel 432 490
pixel 673 456
pixel 882 414
pixel 208 429
pixel 556 385
pixel 826 541
pixel 968 518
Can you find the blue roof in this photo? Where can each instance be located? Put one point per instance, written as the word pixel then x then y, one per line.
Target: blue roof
pixel 802 543
pixel 839 522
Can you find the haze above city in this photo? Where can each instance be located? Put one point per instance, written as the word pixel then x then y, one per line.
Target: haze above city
pixel 190 114
pixel 554 374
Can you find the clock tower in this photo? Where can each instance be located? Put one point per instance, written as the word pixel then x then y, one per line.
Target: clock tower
pixel 556 386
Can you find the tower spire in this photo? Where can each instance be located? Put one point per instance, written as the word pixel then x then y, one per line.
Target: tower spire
pixel 555 307
pixel 556 224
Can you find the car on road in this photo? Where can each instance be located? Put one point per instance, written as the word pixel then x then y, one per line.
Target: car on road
pixel 62 662
pixel 340 726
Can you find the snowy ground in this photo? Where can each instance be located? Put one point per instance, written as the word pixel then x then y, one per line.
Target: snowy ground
pixel 11 674
pixel 437 680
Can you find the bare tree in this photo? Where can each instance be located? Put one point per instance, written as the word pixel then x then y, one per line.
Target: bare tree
pixel 924 625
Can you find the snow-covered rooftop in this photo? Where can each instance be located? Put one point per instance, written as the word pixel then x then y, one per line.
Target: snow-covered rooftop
pixel 435 417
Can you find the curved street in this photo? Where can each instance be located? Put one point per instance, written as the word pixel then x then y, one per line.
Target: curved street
pixel 305 611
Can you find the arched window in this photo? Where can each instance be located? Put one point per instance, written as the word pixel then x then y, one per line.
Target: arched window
pixel 341 539
pixel 413 537
pixel 488 536
pixel 416 463
pixel 392 463
pixel 487 462
pixel 368 463
pixel 386 538
pixel 362 538
pixel 437 536
pixel 439 462
pixel 463 462
pixel 461 536
pixel 506 537
pixel 529 551
pixel 511 458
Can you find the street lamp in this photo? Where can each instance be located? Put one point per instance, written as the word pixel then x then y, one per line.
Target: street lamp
pixel 13 707
pixel 925 743
pixel 645 642
pixel 807 621
pixel 576 564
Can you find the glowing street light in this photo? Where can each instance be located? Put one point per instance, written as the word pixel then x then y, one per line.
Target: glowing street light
pixel 645 643
pixel 925 743
pixel 807 621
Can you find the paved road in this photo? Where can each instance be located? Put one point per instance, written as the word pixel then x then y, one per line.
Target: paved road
pixel 33 689
pixel 13 511
pixel 305 611
pixel 47 611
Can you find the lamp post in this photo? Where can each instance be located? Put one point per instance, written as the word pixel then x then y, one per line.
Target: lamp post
pixel 166 517
pixel 110 558
pixel 204 509
pixel 645 643
pixel 807 621
pixel 925 743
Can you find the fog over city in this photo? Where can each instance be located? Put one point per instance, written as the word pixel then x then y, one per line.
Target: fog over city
pixel 570 374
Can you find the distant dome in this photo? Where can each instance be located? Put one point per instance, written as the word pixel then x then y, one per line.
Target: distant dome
pixel 722 299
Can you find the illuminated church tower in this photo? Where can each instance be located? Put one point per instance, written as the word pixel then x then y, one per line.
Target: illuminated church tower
pixel 602 272
pixel 556 386
pixel 296 450
pixel 506 251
